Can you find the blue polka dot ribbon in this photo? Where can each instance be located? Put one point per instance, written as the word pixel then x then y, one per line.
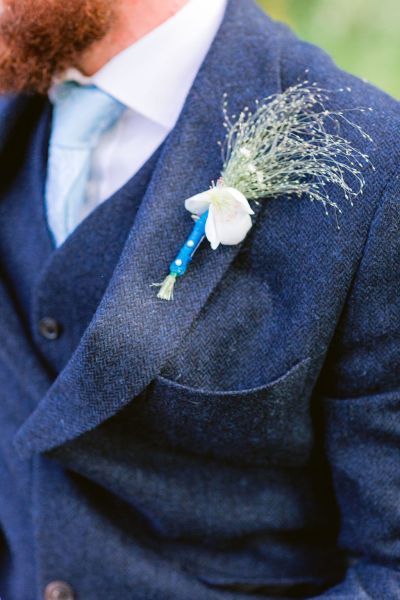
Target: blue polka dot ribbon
pixel 179 266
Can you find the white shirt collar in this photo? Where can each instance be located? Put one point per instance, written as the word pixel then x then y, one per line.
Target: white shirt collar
pixel 154 75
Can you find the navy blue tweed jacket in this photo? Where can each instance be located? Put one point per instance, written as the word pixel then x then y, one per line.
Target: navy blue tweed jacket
pixel 244 440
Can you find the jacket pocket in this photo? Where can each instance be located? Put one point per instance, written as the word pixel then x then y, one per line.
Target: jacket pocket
pixel 269 424
pixel 301 588
pixel 285 590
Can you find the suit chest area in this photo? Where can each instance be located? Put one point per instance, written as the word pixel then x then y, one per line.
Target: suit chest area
pixel 240 386
pixel 239 389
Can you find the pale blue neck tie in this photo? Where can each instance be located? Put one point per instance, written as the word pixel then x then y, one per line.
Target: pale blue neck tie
pixel 80 117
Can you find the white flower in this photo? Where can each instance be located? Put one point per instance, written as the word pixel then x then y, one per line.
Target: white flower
pixel 228 220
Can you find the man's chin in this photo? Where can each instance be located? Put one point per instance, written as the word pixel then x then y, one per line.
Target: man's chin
pixel 23 76
pixel 28 76
pixel 35 44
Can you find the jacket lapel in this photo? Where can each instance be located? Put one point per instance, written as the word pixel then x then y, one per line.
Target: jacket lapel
pixel 133 333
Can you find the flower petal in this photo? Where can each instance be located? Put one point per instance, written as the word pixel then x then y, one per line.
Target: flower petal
pixel 199 203
pixel 211 229
pixel 227 231
pixel 235 230
pixel 234 194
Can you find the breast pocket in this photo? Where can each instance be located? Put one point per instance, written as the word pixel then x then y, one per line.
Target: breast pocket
pixel 269 424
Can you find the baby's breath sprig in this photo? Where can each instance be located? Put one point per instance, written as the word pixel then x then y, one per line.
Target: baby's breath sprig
pixel 291 145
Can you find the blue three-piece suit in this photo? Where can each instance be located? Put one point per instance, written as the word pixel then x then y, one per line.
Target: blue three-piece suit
pixel 242 441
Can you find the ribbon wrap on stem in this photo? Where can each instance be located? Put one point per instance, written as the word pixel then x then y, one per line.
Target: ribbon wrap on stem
pixel 180 264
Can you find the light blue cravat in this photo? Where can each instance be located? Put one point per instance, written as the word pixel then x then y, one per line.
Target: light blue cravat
pixel 81 115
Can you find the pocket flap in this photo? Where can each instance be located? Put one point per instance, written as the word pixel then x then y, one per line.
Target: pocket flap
pixel 266 424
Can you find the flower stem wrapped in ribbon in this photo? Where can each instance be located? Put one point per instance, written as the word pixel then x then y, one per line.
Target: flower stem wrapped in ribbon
pixel 289 145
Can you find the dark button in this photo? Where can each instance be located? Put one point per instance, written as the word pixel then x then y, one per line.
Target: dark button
pixel 58 590
pixel 49 328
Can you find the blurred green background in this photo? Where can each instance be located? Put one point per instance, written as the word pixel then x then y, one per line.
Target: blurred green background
pixel 363 36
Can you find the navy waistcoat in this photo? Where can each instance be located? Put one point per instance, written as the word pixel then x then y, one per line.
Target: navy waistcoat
pixel 67 283
pixel 241 441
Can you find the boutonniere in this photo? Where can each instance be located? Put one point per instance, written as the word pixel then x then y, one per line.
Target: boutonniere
pixel 289 145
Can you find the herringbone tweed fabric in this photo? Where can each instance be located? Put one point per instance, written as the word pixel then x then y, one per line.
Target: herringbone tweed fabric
pixel 241 441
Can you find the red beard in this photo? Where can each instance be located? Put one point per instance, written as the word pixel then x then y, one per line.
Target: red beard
pixel 41 38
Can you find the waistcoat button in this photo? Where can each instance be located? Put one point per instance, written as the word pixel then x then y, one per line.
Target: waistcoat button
pixel 49 328
pixel 58 590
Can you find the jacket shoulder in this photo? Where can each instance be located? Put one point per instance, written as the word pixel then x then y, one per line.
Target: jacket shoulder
pixel 302 60
pixel 364 105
